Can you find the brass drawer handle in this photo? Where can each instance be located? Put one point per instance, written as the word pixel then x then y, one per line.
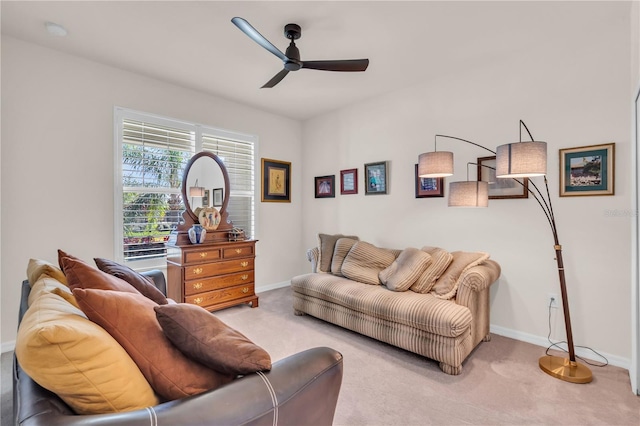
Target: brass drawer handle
pixel 197 286
pixel 244 264
pixel 203 254
pixel 244 277
pixel 245 290
pixel 198 300
pixel 197 271
pixel 238 251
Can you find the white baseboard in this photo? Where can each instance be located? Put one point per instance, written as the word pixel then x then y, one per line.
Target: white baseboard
pixel 8 346
pixel 273 286
pixel 542 341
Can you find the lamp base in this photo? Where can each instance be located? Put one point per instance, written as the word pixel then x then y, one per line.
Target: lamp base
pixel 564 369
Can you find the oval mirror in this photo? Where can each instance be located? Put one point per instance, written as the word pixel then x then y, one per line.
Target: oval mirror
pixel 205 183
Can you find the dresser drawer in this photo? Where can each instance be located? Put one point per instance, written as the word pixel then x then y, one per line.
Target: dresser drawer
pixel 238 251
pixel 196 272
pixel 204 255
pixel 220 296
pixel 215 283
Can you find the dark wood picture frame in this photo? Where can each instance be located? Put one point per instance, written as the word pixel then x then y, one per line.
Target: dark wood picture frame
pixel 501 188
pixel 349 181
pixel 376 181
pixel 276 181
pixel 325 186
pixel 587 170
pixel 205 198
pixel 429 187
pixel 217 197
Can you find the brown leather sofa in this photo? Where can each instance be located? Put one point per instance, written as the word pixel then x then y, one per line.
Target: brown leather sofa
pixel 301 389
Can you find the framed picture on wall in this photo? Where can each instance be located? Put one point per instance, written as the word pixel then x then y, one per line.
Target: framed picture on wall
pixel 205 198
pixel 587 170
pixel 500 189
pixel 218 196
pixel 276 181
pixel 429 187
pixel 349 181
pixel 325 186
pixel 376 178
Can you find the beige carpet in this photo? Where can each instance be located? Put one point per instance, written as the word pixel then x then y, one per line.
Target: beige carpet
pixel 500 383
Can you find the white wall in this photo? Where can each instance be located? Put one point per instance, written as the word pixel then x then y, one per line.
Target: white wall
pixel 572 93
pixel 58 162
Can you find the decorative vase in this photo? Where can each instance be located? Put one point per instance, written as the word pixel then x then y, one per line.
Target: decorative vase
pixel 197 234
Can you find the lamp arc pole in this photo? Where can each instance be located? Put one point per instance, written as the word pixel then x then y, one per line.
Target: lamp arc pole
pixel 567 369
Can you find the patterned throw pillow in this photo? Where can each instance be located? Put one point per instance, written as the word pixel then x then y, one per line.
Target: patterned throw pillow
pixel 405 270
pixel 440 261
pixel 326 244
pixel 447 285
pixel 343 245
pixel 365 262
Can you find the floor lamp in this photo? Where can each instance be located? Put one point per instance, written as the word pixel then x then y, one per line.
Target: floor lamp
pixel 514 160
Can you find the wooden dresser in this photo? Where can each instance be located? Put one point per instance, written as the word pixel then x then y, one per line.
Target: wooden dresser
pixel 214 276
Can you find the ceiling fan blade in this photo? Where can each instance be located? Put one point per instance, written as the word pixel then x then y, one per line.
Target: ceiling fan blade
pixel 246 28
pixel 276 79
pixel 343 65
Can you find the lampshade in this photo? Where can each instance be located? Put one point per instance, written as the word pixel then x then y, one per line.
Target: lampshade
pixel 196 191
pixel 521 159
pixel 469 194
pixel 435 164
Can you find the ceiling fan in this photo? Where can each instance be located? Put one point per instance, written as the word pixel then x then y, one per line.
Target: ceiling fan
pixel 291 58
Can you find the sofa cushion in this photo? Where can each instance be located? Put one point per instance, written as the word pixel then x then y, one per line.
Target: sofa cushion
pixel 82 275
pixel 141 283
pixel 447 284
pixel 405 270
pixel 421 311
pixel 343 245
pixel 37 267
pixel 326 244
pixel 440 261
pixel 201 336
pixel 365 261
pixel 131 320
pixel 78 360
pixel 45 284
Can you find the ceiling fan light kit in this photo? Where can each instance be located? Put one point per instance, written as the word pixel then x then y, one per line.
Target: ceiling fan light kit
pixel 291 57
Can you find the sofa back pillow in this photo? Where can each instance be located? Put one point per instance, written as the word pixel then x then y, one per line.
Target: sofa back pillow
pixel 326 245
pixel 405 270
pixel 131 320
pixel 364 262
pixel 141 283
pixel 440 261
pixel 81 275
pixel 37 267
pixel 447 285
pixel 64 352
pixel 343 245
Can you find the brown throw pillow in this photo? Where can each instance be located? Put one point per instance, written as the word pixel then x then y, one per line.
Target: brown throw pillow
pixel 82 275
pixel 326 244
pixel 447 285
pixel 62 255
pixel 200 335
pixel 131 320
pixel 141 283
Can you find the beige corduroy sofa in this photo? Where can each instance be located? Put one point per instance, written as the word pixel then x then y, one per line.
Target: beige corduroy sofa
pixel 427 301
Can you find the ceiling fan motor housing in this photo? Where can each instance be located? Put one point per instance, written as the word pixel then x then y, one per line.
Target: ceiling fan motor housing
pixel 292 31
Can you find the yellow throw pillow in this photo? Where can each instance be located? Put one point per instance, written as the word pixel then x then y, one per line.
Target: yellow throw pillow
pixel 37 267
pixel 78 360
pixel 45 284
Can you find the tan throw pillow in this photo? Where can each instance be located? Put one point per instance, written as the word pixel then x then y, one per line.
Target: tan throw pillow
pixel 37 267
pixel 447 284
pixel 201 336
pixel 78 360
pixel 365 261
pixel 343 245
pixel 440 261
pixel 141 283
pixel 326 244
pixel 45 284
pixel 131 320
pixel 81 275
pixel 405 270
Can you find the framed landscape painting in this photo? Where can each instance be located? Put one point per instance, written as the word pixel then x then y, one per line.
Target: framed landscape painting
pixel 587 170
pixel 276 181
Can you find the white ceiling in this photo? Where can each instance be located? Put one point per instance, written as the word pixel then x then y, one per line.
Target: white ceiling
pixel 195 45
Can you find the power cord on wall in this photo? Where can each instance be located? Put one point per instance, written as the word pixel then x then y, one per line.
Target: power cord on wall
pixel 557 345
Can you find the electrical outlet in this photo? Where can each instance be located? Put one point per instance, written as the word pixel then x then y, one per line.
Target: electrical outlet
pixel 553 300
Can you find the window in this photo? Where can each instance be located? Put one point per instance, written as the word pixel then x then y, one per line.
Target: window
pixel 151 154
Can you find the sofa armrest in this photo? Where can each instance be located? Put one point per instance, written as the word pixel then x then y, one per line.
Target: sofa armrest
pixel 158 279
pixel 313 255
pixel 473 292
pixel 300 389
